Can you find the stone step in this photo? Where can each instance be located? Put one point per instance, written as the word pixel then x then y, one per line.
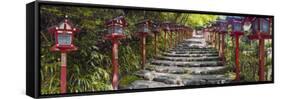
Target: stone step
pixel 212 58
pixel 190 55
pixel 192 62
pixel 206 80
pixel 187 64
pixel 182 79
pixel 189 70
pixel 209 49
pixel 141 84
pixel 192 48
pixel 193 52
pixel 191 42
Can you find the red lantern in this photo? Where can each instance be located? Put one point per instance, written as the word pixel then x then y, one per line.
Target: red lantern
pixel 260 26
pixel 64 36
pixel 166 28
pixel 115 28
pixel 155 28
pixel 260 31
pixel 173 29
pixel 237 24
pixel 115 32
pixel 143 29
pixel 223 26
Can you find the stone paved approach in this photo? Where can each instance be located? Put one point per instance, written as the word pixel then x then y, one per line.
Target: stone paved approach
pixel 190 63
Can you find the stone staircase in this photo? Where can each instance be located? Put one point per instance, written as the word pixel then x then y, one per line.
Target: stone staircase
pixel 191 62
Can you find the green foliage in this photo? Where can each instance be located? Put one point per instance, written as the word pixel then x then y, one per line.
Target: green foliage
pixel 248 58
pixel 126 80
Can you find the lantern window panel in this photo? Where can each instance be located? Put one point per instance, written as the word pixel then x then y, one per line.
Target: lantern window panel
pixel 155 28
pixel 118 29
pixel 64 39
pixel 237 27
pixel 264 27
pixel 143 28
pixel 223 27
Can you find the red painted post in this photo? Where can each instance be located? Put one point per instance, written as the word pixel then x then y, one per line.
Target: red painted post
pixel 215 40
pixel 143 51
pixel 222 47
pixel 261 60
pixel 165 40
pixel 261 34
pixel 63 76
pixel 212 39
pixel 261 38
pixel 181 35
pixel 114 34
pixel 237 69
pixel 64 26
pixel 155 43
pixel 171 39
pixel 115 64
pixel 219 41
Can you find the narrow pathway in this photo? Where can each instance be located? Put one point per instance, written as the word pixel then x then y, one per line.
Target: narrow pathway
pixel 190 63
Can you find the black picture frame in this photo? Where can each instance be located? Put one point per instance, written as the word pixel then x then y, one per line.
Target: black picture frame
pixel 33 46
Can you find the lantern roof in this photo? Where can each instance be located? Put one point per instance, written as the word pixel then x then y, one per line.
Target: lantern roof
pixel 173 26
pixel 234 18
pixel 254 18
pixel 166 25
pixel 64 25
pixel 120 20
pixel 155 26
pixel 144 21
pixel 155 23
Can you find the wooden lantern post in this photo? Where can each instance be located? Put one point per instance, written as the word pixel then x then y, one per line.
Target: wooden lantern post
pixel 64 35
pixel 182 35
pixel 217 38
pixel 189 31
pixel 213 36
pixel 205 33
pixel 222 31
pixel 172 31
pixel 177 32
pixel 166 28
pixel 142 32
pixel 155 30
pixel 115 28
pixel 261 31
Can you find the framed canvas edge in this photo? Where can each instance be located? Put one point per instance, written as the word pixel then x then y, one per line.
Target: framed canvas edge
pixel 36 65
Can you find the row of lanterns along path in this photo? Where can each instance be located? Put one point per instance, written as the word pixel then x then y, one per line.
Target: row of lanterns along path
pixel 64 35
pixel 259 27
